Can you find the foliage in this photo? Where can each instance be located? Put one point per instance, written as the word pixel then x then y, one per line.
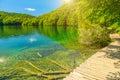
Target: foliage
pixel 102 12
pixel 94 34
pixel 31 22
pixel 63 16
pixel 7 18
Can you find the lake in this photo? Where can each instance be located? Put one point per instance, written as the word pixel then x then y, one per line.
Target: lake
pixel 40 53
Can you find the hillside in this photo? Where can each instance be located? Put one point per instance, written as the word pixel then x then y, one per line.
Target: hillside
pixel 7 18
pixel 67 14
pixel 93 17
pixel 78 12
pixel 102 12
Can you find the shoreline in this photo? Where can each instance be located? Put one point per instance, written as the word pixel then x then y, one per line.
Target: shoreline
pixel 100 66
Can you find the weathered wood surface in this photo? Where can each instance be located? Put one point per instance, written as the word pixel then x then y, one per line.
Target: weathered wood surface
pixel 104 65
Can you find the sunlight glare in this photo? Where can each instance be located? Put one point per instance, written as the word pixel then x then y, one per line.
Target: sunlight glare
pixel 67 1
pixel 32 40
pixel 2 60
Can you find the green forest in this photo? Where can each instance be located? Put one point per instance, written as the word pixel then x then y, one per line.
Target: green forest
pixel 102 12
pixel 50 46
pixel 7 18
pixel 86 14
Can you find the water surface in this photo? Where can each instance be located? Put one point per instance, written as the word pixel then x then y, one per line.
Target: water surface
pixel 28 52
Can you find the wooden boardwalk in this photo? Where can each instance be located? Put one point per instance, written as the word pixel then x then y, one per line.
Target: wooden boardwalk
pixel 104 65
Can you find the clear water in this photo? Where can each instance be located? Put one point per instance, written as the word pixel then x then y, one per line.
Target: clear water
pixel 47 48
pixel 12 43
pixel 15 44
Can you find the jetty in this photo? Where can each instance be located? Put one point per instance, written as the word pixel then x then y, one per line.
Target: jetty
pixel 104 65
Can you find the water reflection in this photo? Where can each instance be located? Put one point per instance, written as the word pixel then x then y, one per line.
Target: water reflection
pixel 41 52
pixel 59 34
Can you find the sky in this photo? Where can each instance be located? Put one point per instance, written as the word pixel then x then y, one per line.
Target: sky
pixel 33 7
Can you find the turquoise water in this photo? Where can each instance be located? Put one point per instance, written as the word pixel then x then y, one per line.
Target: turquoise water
pixel 27 52
pixel 15 44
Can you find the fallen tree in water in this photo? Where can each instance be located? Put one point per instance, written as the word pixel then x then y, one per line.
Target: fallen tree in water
pixel 35 71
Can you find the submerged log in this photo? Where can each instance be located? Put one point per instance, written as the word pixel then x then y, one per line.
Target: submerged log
pixel 32 65
pixel 63 67
pixel 52 75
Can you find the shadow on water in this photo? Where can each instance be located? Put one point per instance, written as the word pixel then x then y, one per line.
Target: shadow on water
pixel 114 53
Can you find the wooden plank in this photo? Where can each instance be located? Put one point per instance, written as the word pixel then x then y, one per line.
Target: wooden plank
pixel 100 65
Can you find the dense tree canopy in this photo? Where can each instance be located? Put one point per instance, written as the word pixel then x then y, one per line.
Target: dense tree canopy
pixel 102 12
pixel 13 18
pixel 93 17
pixel 105 13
